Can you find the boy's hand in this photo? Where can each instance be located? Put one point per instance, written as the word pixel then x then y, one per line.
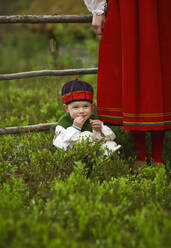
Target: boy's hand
pixel 96 125
pixel 79 121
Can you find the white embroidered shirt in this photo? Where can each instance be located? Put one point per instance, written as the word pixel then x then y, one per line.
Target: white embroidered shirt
pixel 96 6
pixel 67 137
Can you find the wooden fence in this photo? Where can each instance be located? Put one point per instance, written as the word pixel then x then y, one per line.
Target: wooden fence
pixel 13 19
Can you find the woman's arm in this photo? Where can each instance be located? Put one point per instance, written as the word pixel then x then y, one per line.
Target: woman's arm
pixel 97 7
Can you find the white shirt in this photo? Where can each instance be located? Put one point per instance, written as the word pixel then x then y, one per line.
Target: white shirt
pixel 67 137
pixel 96 6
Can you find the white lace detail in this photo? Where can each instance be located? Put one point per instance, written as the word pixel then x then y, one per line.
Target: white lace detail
pixel 96 6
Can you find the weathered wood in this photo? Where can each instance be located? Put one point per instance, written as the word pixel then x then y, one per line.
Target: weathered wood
pixel 31 74
pixel 46 19
pixel 30 128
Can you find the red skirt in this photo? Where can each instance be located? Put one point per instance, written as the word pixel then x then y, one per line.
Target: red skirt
pixel 134 71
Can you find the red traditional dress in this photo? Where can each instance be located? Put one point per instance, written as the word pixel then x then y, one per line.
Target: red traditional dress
pixel 134 71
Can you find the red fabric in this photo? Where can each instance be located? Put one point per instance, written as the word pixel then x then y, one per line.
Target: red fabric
pixel 78 95
pixel 157 146
pixel 157 138
pixel 134 71
pixel 140 144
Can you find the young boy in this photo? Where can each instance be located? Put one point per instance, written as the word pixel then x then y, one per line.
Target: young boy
pixel 78 122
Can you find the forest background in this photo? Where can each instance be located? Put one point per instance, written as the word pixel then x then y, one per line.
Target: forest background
pixel 52 198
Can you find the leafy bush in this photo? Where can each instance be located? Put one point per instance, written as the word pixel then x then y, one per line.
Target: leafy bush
pixel 79 198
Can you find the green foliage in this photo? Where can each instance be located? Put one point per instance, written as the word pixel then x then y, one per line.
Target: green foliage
pixel 79 198
pixel 22 50
pixel 59 50
pixel 58 7
pixel 14 7
pixel 24 104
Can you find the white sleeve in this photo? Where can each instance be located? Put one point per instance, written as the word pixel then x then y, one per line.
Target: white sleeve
pixel 107 132
pixel 96 6
pixel 65 137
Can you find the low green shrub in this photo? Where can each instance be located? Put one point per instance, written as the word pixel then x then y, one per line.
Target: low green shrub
pixel 79 198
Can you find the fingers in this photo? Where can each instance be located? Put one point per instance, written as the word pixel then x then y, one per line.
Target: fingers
pixel 98 23
pixel 79 121
pixel 96 124
pixel 98 30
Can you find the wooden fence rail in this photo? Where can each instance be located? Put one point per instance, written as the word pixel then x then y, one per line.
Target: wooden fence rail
pixel 65 72
pixel 29 128
pixel 45 19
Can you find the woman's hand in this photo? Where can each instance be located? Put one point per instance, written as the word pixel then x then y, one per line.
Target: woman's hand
pixel 98 23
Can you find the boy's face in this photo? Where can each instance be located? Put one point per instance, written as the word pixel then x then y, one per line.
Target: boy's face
pixel 77 109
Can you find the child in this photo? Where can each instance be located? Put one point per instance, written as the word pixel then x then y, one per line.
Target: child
pixel 78 122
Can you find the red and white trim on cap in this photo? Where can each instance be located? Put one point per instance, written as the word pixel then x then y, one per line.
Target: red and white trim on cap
pixel 78 96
